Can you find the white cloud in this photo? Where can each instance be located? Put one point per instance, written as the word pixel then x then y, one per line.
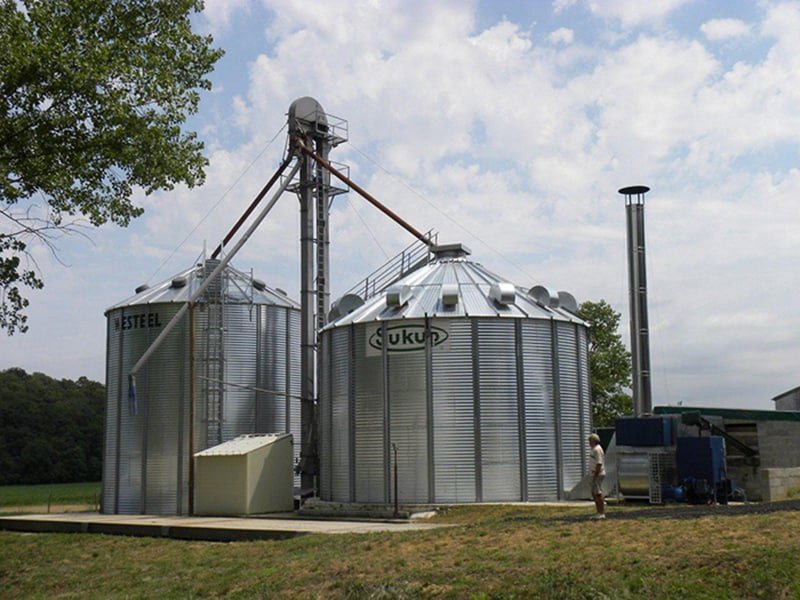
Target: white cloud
pixel 724 29
pixel 561 35
pixel 632 13
pixel 560 6
pixel 218 12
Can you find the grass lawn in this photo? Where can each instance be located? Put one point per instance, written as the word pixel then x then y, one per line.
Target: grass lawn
pixel 497 552
pixel 16 496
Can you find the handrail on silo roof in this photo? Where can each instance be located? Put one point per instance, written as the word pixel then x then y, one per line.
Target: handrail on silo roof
pixel 408 260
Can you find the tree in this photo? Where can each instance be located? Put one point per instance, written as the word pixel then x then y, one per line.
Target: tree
pixel 609 363
pixel 93 98
pixel 51 430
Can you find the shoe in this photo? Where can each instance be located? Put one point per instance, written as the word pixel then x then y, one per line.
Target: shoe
pixel 598 517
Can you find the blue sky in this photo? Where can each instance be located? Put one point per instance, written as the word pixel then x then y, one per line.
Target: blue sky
pixel 508 126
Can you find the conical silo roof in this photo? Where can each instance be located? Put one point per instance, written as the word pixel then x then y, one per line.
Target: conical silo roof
pixel 453 285
pixel 241 289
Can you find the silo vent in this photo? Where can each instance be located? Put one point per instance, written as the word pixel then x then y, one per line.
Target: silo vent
pixel 567 302
pixel 179 282
pixel 503 293
pixel 344 306
pixel 142 288
pixel 451 251
pixel 259 285
pixel 280 291
pixel 544 296
pixel 398 296
pixel 450 294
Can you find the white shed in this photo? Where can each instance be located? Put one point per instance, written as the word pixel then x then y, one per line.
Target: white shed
pixel 247 475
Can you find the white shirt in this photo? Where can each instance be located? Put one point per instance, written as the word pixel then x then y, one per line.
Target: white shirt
pixel 597 457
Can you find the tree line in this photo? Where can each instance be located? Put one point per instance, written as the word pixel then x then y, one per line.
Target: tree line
pixel 51 430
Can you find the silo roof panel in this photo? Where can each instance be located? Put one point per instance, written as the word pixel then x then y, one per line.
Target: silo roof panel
pixel 240 290
pixel 474 300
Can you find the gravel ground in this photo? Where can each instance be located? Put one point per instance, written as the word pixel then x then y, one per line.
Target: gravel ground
pixel 689 511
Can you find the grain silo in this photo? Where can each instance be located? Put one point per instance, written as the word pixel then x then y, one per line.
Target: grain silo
pixel 230 367
pixel 479 386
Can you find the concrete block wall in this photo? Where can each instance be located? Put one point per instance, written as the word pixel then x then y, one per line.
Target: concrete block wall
pixel 780 484
pixel 749 478
pixel 779 444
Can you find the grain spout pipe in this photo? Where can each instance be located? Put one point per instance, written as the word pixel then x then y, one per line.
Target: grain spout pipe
pixel 253 205
pixel 202 288
pixel 366 195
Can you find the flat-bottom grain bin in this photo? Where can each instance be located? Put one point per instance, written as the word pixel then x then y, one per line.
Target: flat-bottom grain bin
pixel 482 388
pixel 248 475
pixel 230 367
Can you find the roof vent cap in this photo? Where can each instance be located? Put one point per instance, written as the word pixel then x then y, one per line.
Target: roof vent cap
pixel 567 302
pixel 259 285
pixel 450 251
pixel 344 306
pixel 450 294
pixel 503 293
pixel 544 296
pixel 398 296
pixel 179 282
pixel 142 288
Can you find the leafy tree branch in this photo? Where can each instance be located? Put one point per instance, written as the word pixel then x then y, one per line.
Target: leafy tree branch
pixel 94 97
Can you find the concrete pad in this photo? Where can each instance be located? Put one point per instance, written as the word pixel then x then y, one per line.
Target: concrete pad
pixel 199 528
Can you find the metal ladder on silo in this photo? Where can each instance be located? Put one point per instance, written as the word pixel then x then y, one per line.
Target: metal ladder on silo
pixel 214 359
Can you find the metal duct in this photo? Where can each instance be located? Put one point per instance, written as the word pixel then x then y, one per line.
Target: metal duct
pixel 637 278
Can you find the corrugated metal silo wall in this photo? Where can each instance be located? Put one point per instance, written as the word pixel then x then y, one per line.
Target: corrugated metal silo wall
pixel 240 341
pixel 278 409
pixel 146 458
pixel 572 444
pixel 497 398
pixel 499 413
pixel 336 439
pixel 142 468
pixel 408 422
pixel 370 427
pixel 454 422
pixel 542 469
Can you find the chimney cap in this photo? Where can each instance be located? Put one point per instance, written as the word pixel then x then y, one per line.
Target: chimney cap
pixel 634 190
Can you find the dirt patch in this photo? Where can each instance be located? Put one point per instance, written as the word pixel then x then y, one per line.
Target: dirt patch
pixel 41 509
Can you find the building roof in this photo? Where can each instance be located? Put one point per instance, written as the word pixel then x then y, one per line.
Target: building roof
pixel 244 444
pixel 241 288
pixel 791 392
pixel 740 414
pixel 453 286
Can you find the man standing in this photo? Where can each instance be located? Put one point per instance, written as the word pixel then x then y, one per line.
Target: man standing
pixel 597 462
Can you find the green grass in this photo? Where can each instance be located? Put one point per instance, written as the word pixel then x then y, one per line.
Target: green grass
pixel 55 493
pixel 496 552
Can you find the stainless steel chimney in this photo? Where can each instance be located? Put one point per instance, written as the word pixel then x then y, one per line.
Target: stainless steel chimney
pixel 637 279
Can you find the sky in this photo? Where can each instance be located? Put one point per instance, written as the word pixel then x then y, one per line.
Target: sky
pixel 508 126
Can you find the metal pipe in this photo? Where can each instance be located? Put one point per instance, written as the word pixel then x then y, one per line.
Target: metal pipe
pixel 396 501
pixel 252 206
pixel 308 440
pixel 637 278
pixel 206 282
pixel 250 387
pixel 366 195
pixel 191 411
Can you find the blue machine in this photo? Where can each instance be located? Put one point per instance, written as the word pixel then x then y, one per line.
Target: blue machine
pixel 645 431
pixel 700 466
